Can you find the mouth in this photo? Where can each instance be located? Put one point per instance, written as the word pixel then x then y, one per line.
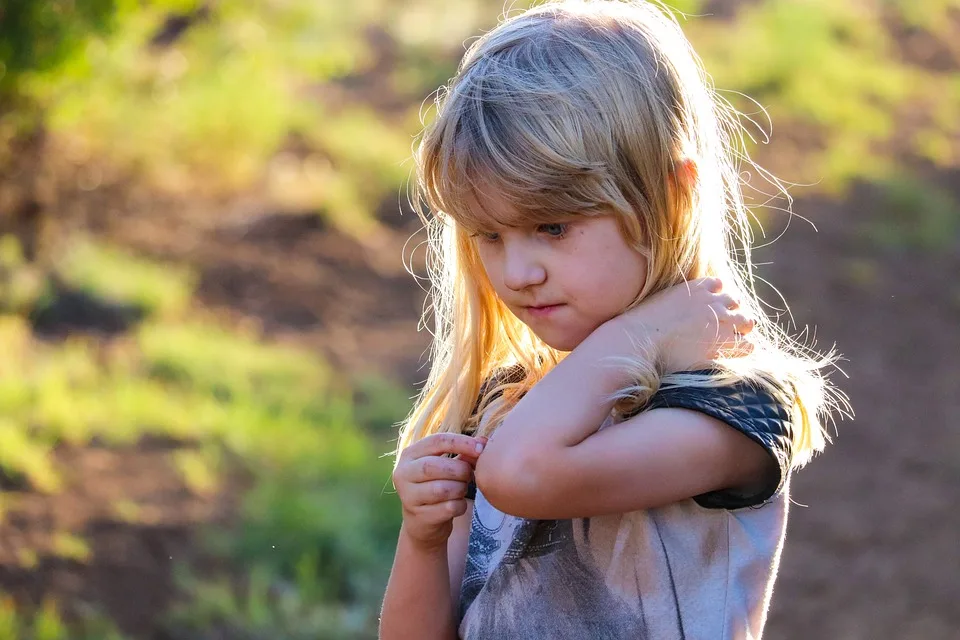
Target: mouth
pixel 543 310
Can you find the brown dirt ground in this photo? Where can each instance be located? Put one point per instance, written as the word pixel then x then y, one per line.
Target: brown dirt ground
pixel 874 553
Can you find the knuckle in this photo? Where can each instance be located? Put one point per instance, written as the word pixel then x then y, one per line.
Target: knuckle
pixel 440 492
pixel 427 467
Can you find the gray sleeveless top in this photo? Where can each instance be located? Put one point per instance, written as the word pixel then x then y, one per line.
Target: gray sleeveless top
pixel 700 568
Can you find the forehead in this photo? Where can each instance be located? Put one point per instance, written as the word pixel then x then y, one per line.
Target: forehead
pixel 490 207
pixel 486 206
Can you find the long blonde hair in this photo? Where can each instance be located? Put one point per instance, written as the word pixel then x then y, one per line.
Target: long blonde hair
pixel 586 107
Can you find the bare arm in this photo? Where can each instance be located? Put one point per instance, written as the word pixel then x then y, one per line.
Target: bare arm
pixel 547 461
pixel 417 604
pixel 420 599
pixel 656 458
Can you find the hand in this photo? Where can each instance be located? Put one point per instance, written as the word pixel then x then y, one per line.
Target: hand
pixel 691 324
pixel 432 487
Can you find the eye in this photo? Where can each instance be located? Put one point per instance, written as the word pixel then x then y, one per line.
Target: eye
pixel 554 230
pixel 486 236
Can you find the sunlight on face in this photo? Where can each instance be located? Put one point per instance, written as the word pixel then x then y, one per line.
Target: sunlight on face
pixel 562 280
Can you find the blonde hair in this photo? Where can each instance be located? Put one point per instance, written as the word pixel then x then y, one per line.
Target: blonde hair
pixel 586 107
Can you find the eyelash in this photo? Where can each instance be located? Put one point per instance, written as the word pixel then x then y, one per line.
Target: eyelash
pixel 563 232
pixel 563 229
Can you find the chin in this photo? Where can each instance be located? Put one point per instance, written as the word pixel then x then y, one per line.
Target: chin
pixel 561 343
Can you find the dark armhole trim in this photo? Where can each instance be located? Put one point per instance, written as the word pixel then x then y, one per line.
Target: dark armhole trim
pixel 750 411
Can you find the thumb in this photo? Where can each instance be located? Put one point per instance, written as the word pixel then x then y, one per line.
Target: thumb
pixel 472 459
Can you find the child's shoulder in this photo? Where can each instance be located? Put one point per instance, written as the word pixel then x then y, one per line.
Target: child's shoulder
pixel 756 397
pixel 759 410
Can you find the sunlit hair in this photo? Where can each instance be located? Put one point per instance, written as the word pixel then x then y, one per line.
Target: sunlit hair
pixel 585 108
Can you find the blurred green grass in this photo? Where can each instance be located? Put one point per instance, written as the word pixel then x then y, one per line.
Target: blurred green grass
pixel 316 518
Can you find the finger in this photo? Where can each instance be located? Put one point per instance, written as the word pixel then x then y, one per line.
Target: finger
pixel 436 492
pixel 442 512
pixel 727 301
pixel 472 461
pixel 742 324
pixel 739 348
pixel 437 468
pixel 735 318
pixel 713 284
pixel 440 443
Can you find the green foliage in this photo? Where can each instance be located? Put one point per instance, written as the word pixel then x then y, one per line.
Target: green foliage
pixel 71 547
pixel 21 285
pixel 209 111
pixel 380 405
pixel 229 366
pixel 46 623
pixel 113 274
pixel 833 71
pixel 317 524
pixel 267 609
pixel 23 456
pixel 37 36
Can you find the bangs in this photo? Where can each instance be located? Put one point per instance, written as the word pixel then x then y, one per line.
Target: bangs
pixel 522 147
pixel 486 199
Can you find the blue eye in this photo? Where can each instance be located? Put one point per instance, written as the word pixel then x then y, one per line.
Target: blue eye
pixel 555 230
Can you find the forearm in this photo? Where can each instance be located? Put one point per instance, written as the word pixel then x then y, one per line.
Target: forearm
pixel 561 411
pixel 417 602
pixel 571 401
pixel 681 328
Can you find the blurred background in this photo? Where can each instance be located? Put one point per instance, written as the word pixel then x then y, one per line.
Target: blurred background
pixel 207 333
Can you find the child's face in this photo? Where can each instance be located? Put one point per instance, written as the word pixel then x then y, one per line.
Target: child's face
pixel 585 270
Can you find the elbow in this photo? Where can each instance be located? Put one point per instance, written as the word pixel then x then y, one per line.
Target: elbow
pixel 513 483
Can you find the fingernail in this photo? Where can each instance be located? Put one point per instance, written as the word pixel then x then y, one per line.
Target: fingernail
pixel 479 447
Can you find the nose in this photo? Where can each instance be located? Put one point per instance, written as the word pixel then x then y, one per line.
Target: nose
pixel 521 268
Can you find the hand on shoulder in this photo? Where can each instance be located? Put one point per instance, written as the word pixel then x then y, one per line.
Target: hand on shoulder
pixel 690 324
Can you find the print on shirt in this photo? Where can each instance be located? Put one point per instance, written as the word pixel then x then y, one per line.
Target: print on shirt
pixel 525 579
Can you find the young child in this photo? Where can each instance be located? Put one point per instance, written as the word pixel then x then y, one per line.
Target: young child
pixel 598 338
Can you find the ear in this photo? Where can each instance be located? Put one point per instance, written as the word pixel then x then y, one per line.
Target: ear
pixel 682 179
pixel 684 174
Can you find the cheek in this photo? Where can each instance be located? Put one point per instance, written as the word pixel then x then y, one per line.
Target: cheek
pixel 492 268
pixel 613 283
pixel 487 264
